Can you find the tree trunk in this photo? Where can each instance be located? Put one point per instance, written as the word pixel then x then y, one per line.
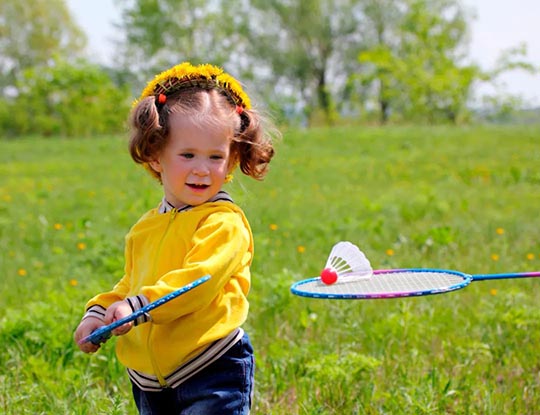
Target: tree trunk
pixel 384 105
pixel 323 96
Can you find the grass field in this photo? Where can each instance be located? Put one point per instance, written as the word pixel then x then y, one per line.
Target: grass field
pixel 457 198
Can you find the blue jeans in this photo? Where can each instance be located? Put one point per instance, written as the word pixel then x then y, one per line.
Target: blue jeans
pixel 223 388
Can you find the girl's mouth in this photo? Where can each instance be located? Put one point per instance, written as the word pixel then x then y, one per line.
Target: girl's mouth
pixel 195 186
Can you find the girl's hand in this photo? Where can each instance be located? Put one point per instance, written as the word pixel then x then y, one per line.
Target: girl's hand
pixel 86 327
pixel 117 311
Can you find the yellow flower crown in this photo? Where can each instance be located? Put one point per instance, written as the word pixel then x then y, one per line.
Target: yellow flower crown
pixel 205 76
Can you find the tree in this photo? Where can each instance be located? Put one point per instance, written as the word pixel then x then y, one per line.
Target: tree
pixel 160 33
pixel 301 50
pixel 32 33
pixel 380 18
pixel 306 50
pixel 406 57
pixel 421 68
pixel 422 76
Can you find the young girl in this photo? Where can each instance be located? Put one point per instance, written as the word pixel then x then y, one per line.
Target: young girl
pixel 191 127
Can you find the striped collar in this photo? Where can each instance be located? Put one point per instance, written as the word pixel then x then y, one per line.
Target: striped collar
pixel 165 206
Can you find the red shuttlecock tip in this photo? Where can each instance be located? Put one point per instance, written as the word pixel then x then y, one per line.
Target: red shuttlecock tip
pixel 329 276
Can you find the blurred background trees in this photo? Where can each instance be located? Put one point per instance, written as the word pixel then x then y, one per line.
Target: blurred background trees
pixel 47 86
pixel 311 61
pixel 32 33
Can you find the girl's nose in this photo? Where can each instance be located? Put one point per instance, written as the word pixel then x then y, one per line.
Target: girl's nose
pixel 201 169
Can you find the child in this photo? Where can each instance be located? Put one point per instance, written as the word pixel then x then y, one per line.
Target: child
pixel 190 128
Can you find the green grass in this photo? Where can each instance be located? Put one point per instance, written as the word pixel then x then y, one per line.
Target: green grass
pixel 460 198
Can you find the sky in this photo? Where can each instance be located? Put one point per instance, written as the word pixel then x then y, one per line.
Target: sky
pixel 499 25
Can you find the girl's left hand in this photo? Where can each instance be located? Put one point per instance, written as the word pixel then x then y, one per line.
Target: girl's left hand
pixel 87 326
pixel 117 311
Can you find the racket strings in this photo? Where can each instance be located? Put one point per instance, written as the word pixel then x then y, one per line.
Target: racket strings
pixel 388 284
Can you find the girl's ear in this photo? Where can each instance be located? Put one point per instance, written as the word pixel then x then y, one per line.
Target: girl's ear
pixel 156 165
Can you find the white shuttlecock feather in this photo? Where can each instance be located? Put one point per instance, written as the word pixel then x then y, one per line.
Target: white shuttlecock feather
pixel 346 261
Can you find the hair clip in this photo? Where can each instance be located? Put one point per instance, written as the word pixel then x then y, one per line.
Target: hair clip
pixel 239 110
pixel 161 99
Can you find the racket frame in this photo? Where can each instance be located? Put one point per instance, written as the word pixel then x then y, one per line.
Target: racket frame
pixel 296 288
pixel 466 280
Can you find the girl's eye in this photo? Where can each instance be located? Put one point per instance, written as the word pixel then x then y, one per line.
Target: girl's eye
pixel 187 155
pixel 216 157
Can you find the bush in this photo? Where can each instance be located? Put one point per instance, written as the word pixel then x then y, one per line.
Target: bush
pixel 67 99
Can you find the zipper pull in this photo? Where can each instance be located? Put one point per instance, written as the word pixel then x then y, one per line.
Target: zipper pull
pixel 174 211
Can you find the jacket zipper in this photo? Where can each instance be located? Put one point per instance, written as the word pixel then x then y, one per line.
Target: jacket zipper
pixel 159 376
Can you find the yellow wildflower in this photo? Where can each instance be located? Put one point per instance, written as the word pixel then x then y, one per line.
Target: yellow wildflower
pixel 495 257
pixel 57 226
pixel 81 246
pixel 530 256
pixel 188 74
pixel 390 252
pixel 273 227
pixel 22 272
pixel 73 282
pixel 499 231
pixel 301 249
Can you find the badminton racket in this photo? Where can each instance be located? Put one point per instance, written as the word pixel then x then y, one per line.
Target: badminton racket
pixel 395 283
pixel 102 334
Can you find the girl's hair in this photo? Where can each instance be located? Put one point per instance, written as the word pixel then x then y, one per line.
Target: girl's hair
pixel 251 145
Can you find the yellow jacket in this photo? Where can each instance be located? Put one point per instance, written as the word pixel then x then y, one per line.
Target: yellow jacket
pixel 166 251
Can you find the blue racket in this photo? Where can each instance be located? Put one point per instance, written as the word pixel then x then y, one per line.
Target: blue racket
pixel 395 283
pixel 104 333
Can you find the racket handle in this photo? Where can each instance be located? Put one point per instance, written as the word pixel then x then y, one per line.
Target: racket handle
pixel 484 277
pixel 99 336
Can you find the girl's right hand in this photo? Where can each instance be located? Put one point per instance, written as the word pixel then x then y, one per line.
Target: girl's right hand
pixel 86 327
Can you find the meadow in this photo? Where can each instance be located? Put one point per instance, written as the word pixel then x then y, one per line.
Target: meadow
pixel 464 198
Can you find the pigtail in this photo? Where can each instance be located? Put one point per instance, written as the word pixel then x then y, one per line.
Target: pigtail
pixel 148 131
pixel 253 145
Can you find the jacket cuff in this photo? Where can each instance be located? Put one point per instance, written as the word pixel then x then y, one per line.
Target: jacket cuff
pixel 136 303
pixel 96 311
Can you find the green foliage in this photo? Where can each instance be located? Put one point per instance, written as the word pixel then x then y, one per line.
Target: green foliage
pixel 422 77
pixel 501 108
pixel 303 47
pixel 311 62
pixel 297 53
pixel 163 33
pixel 32 33
pixel 66 99
pixel 465 198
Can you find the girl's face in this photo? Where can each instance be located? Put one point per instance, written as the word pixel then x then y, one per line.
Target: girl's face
pixel 194 163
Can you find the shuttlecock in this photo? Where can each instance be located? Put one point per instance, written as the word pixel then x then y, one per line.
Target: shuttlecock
pixel 346 261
